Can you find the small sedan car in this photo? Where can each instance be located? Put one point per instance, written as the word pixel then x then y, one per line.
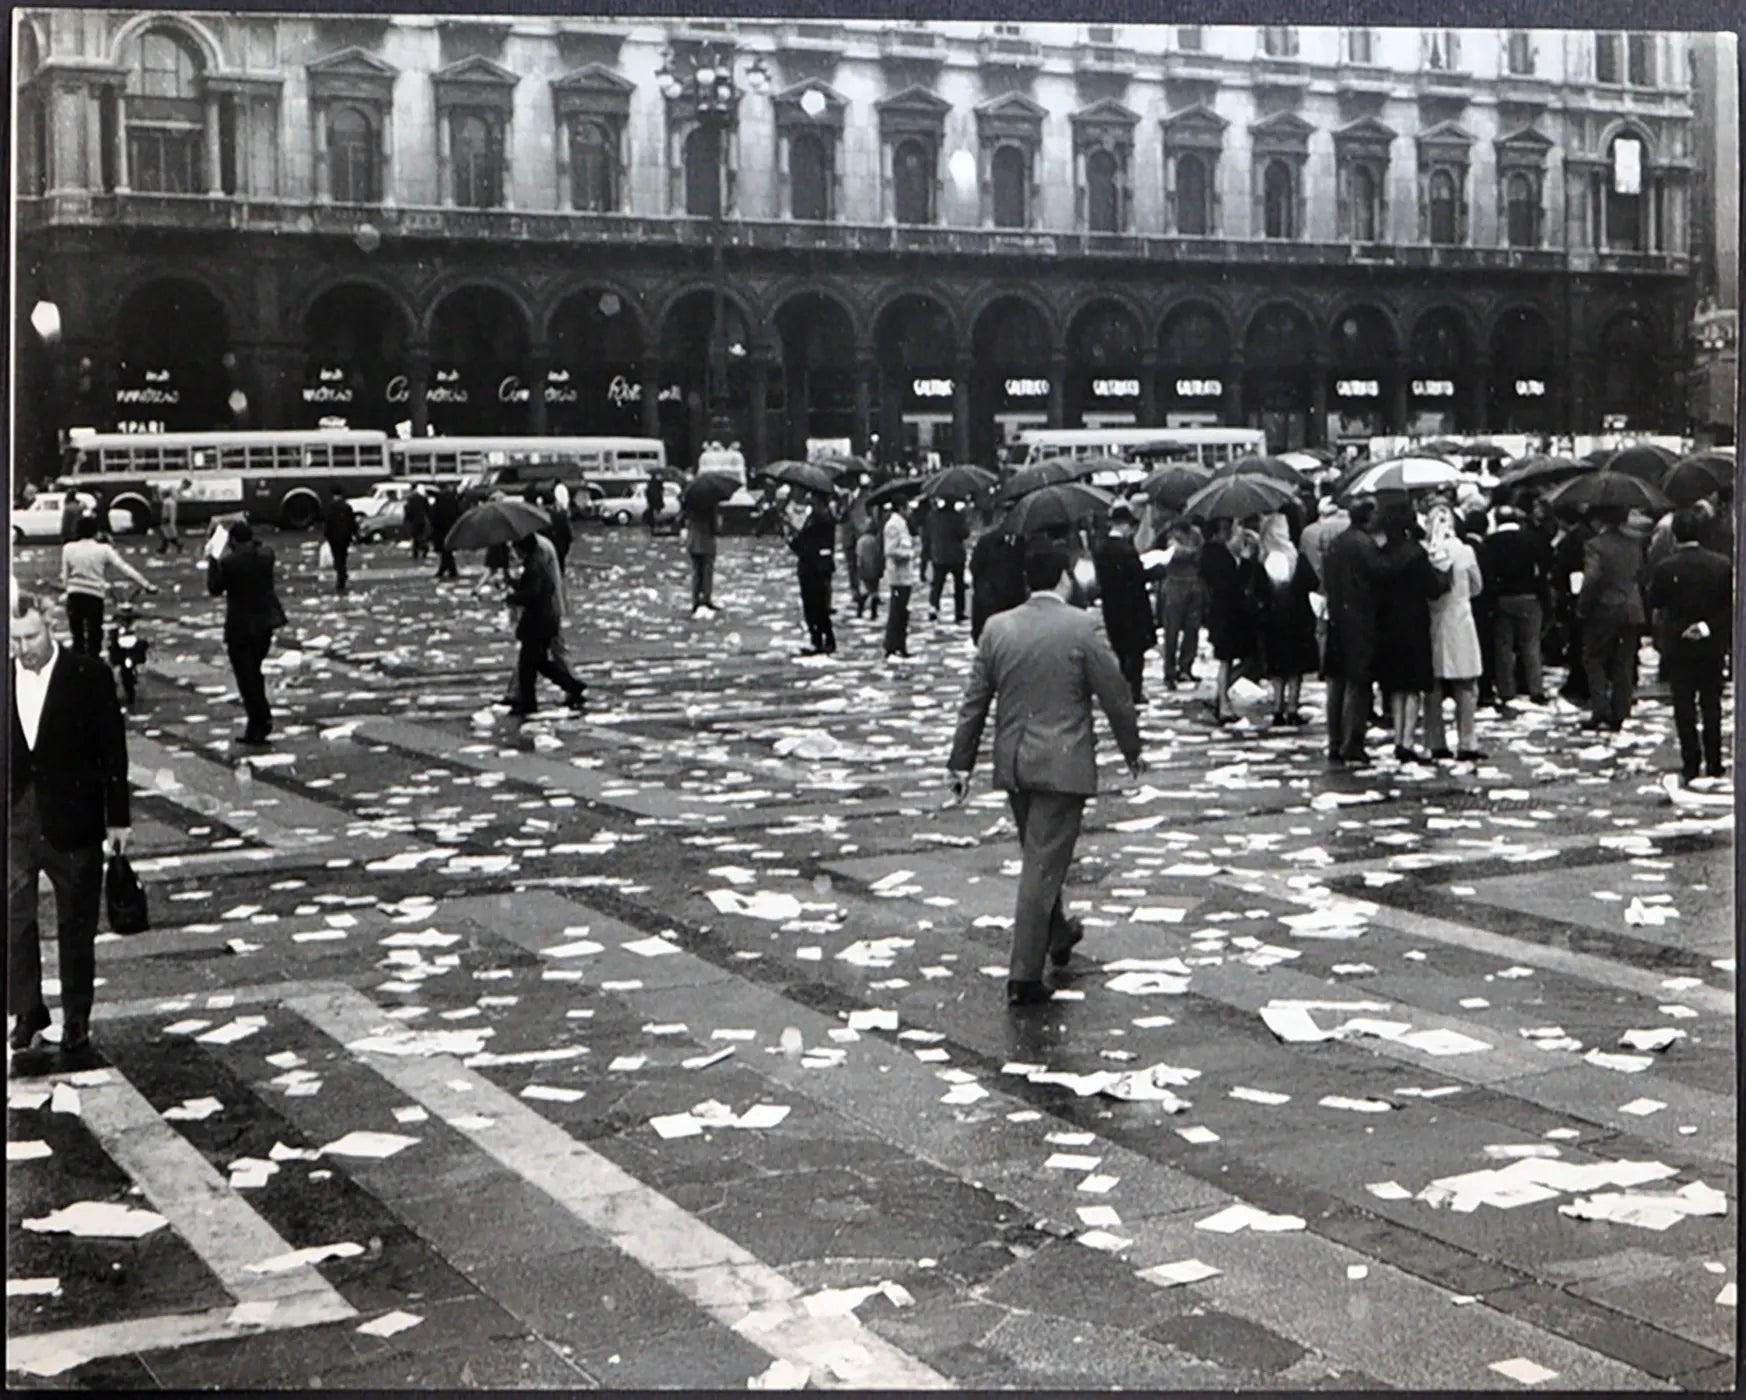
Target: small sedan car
pixel 41 518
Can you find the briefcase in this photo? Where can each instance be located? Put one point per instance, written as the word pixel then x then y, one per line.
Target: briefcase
pixel 125 897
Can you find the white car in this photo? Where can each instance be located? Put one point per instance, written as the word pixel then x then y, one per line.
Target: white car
pixel 382 495
pixel 41 519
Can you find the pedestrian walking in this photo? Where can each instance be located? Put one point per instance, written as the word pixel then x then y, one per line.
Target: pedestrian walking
pixel 997 577
pixel 1568 551
pixel 72 512
pixel 1042 664
pixel 536 594
pixel 1516 561
pixel 87 566
pixel 559 531
pixel 418 522
pixel 1609 606
pixel 1456 654
pixel 170 517
pixel 1287 621
pixel 560 646
pixel 900 548
pixel 69 804
pixel 1229 572
pixel 340 528
pixel 1691 595
pixel 1127 604
pixel 853 526
pixel 445 510
pixel 243 573
pixel 869 564
pixel 1403 626
pixel 654 502
pixel 947 530
pixel 1355 570
pixel 1181 600
pixel 813 541
pixel 702 526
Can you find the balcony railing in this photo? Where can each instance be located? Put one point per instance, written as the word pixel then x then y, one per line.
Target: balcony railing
pixel 197 213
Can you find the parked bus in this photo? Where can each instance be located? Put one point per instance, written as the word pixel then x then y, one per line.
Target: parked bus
pixel 1210 447
pixel 514 462
pixel 279 478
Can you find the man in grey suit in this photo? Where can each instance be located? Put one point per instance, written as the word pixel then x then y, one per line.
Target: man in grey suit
pixel 1045 661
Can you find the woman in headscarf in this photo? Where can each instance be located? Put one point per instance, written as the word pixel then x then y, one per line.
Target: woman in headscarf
pixel 1456 657
pixel 1288 623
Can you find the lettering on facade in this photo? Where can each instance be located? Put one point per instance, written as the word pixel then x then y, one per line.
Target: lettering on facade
pixel 931 388
pixel 1530 388
pixel 137 425
pixel 510 389
pixel 149 395
pixel 1027 388
pixel 1115 388
pixel 558 387
pixel 398 389
pixel 1434 388
pixel 446 387
pixel 1200 388
pixel 1357 388
pixel 621 392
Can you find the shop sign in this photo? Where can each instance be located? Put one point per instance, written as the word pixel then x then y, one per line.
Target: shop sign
pixel 1434 388
pixel 1115 388
pixel 330 387
pixel 1530 388
pixel 1614 422
pixel 1200 388
pixel 398 389
pixel 510 389
pixel 157 390
pixel 622 391
pixel 559 389
pixel 446 387
pixel 1028 388
pixel 933 388
pixel 1357 388
pixel 139 425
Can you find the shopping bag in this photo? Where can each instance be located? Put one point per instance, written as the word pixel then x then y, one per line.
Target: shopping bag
pixel 324 556
pixel 125 897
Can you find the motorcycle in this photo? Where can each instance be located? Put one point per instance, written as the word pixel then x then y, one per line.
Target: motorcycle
pixel 127 648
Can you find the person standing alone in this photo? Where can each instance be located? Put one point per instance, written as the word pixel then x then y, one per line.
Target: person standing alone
pixel 702 525
pixel 814 546
pixel 1127 604
pixel 243 573
pixel 69 801
pixel 1691 593
pixel 900 570
pixel 340 528
pixel 444 512
pixel 1044 663
pixel 87 564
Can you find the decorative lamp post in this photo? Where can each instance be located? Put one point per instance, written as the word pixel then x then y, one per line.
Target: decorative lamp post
pixel 704 77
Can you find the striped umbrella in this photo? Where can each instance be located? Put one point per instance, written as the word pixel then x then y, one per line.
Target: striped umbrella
pixel 1404 474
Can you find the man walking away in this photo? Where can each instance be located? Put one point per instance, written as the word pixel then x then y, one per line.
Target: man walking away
pixel 702 525
pixel 947 530
pixel 900 569
pixel 252 613
pixel 1045 663
pixel 1692 595
pixel 418 520
pixel 87 565
pixel 69 801
pixel 340 528
pixel 1127 605
pixel 1610 607
pixel 170 518
pixel 559 531
pixel 536 594
pixel 444 512
pixel 1517 563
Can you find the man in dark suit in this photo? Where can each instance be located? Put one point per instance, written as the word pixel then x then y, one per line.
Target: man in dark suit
pixel 341 528
pixel 1610 607
pixel 444 512
pixel 69 802
pixel 1692 595
pixel 814 546
pixel 243 573
pixel 1517 562
pixel 1354 566
pixel 997 577
pixel 1045 662
pixel 1127 604
pixel 946 528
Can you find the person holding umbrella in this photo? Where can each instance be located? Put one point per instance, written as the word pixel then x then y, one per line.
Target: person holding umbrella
pixel 1609 608
pixel 535 592
pixel 1231 576
pixel 700 509
pixel 899 550
pixel 997 577
pixel 947 530
pixel 1127 605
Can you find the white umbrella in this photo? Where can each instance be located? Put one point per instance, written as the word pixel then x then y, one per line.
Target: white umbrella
pixel 1405 474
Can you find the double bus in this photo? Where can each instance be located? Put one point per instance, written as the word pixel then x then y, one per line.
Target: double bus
pixel 1210 447
pixel 278 478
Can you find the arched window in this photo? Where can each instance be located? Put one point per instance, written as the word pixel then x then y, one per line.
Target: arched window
pixel 1365 205
pixel 351 155
pixel 1442 207
pixel 809 177
pixel 703 172
pixel 1361 46
pixel 1523 212
pixel 1193 196
pixel 1103 198
pixel 166 116
pixel 1624 183
pixel 1011 175
pixel 912 169
pixel 477 156
pixel 1279 201
pixel 593 167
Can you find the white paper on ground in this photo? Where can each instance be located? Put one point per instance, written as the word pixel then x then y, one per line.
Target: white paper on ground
pixel 651 947
pixel 675 1125
pixel 1624 1064
pixel 98 1220
pixel 301 1258
pixel 33 1288
pixel 28 1151
pixel 363 1143
pixel 1239 1216
pixel 1266 1096
pixel 552 1094
pixel 780 1374
pixel 390 1323
pixel 65 1099
pixel 1105 1240
pixel 1183 1271
pixel 193 1110
pixel 1100 1217
pixel 1519 1368
pixel 1147 984
pixel 1198 1135
pixel 1658 1038
pixel 252 1314
pixel 1388 1191
pixel 1355 1105
pixel 1073 1162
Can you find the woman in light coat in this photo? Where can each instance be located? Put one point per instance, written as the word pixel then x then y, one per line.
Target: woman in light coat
pixel 1456 658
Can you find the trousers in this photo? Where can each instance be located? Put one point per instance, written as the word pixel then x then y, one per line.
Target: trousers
pixel 446 567
pixel 1179 613
pixel 85 622
pixel 1348 715
pixel 702 581
pixel 1696 682
pixel 1133 664
pixel 340 574
pixel 1609 657
pixel 1048 828
pixel 246 655
pixel 1516 632
pixel 956 573
pixel 815 607
pixel 77 879
pixel 537 657
pixel 897 621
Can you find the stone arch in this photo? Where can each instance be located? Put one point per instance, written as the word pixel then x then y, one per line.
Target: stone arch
pixel 1628 126
pixel 445 287
pixel 1305 307
pixel 1461 315
pixel 979 302
pixel 737 299
pixel 201 36
pixel 162 271
pixel 782 293
pixel 355 334
pixel 183 380
pixel 374 281
pixel 631 303
pixel 1127 304
pixel 1333 331
pixel 1212 307
pixel 924 291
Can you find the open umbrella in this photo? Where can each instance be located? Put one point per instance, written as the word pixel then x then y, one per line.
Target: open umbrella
pixel 495 522
pixel 959 483
pixel 708 491
pixel 1440 447
pixel 902 489
pixel 1403 474
pixel 1273 468
pixel 1693 478
pixel 1053 472
pixel 1600 456
pixel 1643 460
pixel 1610 488
pixel 1540 472
pixel 1088 467
pixel 1482 447
pixel 1237 498
pixel 1066 506
pixel 1171 485
pixel 809 476
pixel 847 461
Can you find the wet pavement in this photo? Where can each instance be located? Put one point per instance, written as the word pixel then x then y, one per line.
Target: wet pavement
pixel 667 1047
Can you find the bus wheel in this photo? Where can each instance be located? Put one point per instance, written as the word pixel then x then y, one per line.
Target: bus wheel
pixel 299 510
pixel 135 507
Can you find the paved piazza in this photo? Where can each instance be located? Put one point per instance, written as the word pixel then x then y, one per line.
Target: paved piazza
pixel 668 1047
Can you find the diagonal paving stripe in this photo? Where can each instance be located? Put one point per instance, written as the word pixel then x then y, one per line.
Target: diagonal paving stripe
pixel 218 1225
pixel 728 1282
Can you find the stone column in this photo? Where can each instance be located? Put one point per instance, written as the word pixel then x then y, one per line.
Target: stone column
pixel 1147 410
pixel 651 400
pixel 759 365
pixel 386 156
pixel 94 138
pixel 418 377
pixel 214 155
pixel 539 362
pixel 963 368
pixel 1479 400
pixel 1397 402
pixel 1317 432
pixel 866 366
pixel 122 182
pixel 1234 389
pixel 323 168
pixel 1057 388
pixel 65 148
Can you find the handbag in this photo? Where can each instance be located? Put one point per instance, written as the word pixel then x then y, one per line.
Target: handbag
pixel 125 897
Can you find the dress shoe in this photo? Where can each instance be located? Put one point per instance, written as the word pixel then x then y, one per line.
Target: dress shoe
pixel 1062 955
pixel 253 741
pixel 1027 993
pixel 30 1024
pixel 1441 755
pixel 1403 754
pixel 75 1038
pixel 1471 755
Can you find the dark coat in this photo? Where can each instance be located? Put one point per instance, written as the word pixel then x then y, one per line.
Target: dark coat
pixel 946 530
pixel 1354 569
pixel 536 594
pixel 1403 620
pixel 1288 623
pixel 418 516
pixel 445 510
pixel 79 765
pixel 1612 570
pixel 245 577
pixel 814 544
pixel 1692 585
pixel 997 578
pixel 1127 603
pixel 341 524
pixel 1231 613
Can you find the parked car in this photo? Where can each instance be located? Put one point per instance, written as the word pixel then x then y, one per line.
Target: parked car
pixel 625 499
pixel 386 522
pixel 41 518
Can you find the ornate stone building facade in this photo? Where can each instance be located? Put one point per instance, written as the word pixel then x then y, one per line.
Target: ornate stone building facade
pixel 923 234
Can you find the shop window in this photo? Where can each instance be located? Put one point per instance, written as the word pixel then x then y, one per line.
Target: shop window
pixel 166 129
pixel 1606 59
pixel 1279 201
pixel 913 181
pixel 1519 53
pixel 1194 196
pixel 1640 59
pixel 1361 46
pixel 593 166
pixel 809 176
pixel 1443 212
pixel 351 155
pixel 1010 174
pixel 703 172
pixel 1103 196
pixel 1279 40
pixel 1523 213
pixel 1190 38
pixel 476 145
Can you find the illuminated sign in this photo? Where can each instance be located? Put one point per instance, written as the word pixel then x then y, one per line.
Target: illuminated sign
pixel 1434 388
pixel 558 387
pixel 1200 388
pixel 157 390
pixel 1027 388
pixel 1530 388
pixel 931 388
pixel 133 425
pixel 1357 388
pixel 1115 388
pixel 446 387
pixel 330 387
pixel 510 389
pixel 621 392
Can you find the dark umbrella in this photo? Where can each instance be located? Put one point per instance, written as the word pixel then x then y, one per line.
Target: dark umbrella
pixel 1053 472
pixel 496 522
pixel 708 491
pixel 1170 486
pixel 1610 488
pixel 1482 447
pixel 1087 467
pixel 1237 497
pixel 1599 456
pixel 809 476
pixel 847 461
pixel 901 489
pixel 1693 478
pixel 1539 472
pixel 1269 467
pixel 959 483
pixel 1643 460
pixel 1064 507
pixel 1439 447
